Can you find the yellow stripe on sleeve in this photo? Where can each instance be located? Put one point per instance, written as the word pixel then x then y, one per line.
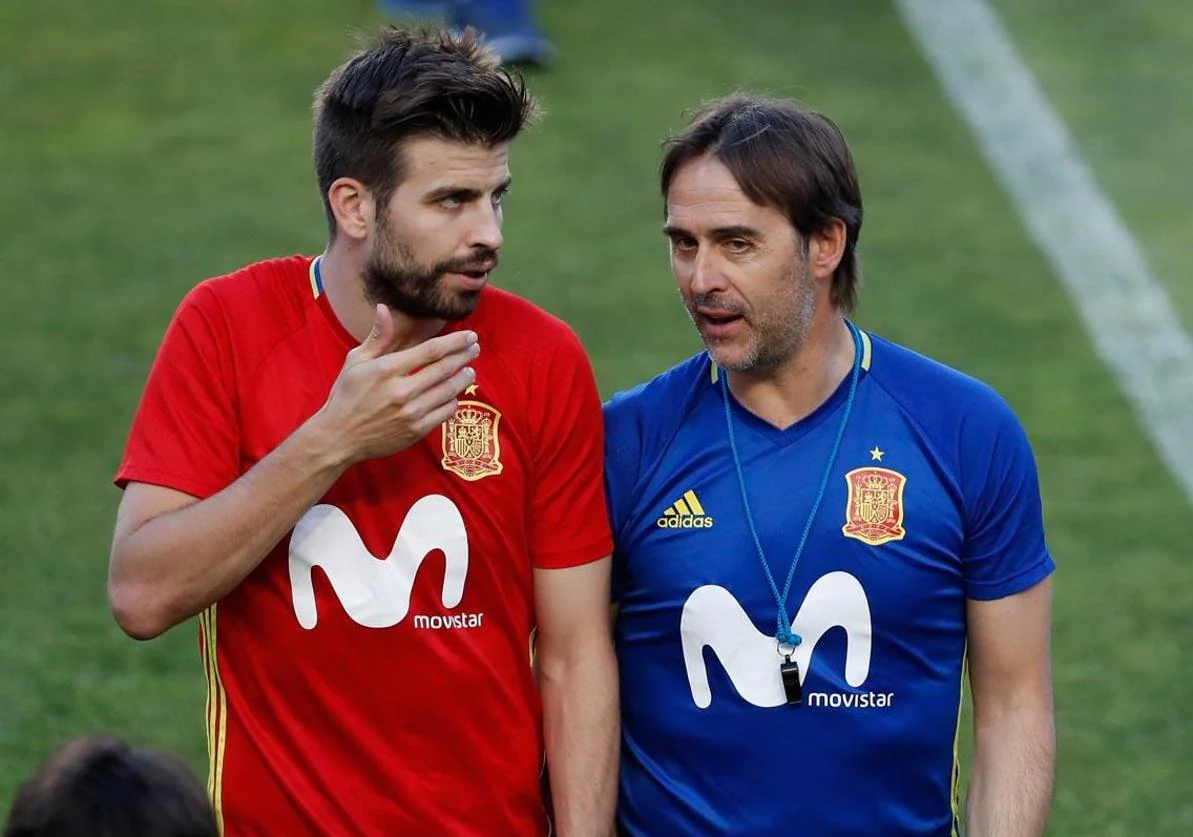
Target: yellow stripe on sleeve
pixel 955 793
pixel 209 677
pixel 217 715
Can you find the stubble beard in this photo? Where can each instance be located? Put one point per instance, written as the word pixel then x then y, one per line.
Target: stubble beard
pixel 775 334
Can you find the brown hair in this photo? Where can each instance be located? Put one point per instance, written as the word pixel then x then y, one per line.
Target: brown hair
pixel 785 157
pixel 98 786
pixel 411 83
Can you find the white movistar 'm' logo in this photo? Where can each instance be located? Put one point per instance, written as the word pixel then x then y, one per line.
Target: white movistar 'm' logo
pixel 376 593
pixel 713 618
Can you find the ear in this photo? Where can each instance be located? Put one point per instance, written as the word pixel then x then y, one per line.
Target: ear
pixel 826 249
pixel 353 207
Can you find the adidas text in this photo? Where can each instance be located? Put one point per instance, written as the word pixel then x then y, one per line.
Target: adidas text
pixel 686 521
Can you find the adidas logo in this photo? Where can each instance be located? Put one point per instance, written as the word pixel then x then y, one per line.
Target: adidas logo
pixel 685 513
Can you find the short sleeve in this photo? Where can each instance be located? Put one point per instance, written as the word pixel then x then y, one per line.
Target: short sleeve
pixel 185 435
pixel 569 525
pixel 1005 550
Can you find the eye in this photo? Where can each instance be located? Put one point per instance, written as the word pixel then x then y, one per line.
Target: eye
pixel 499 197
pixel 451 202
pixel 683 244
pixel 737 245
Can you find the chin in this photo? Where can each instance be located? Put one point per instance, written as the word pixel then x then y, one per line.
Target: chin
pixel 461 306
pixel 735 357
pixel 727 357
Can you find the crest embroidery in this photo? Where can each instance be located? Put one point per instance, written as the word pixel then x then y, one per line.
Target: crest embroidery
pixel 471 444
pixel 874 510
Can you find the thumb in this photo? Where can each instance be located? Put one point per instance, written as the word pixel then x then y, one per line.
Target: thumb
pixel 381 338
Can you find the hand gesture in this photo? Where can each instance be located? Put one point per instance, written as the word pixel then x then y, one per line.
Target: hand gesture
pixel 384 401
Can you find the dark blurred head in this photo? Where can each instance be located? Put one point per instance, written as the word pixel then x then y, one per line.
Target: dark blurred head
pixel 100 787
pixel 411 84
pixel 782 156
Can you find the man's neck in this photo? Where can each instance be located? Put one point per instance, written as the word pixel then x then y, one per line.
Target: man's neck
pixel 342 269
pixel 784 394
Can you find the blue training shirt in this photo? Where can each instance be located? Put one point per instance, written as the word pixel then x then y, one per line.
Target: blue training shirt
pixel 933 499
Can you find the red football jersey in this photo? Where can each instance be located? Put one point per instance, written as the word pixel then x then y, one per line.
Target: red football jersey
pixel 373 675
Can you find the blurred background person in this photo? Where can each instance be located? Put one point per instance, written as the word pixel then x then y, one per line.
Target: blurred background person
pixel 510 27
pixel 99 785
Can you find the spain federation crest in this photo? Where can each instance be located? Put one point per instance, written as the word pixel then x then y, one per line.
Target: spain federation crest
pixel 874 511
pixel 471 444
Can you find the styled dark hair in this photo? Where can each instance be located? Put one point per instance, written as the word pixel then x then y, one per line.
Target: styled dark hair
pixel 98 786
pixel 785 157
pixel 411 83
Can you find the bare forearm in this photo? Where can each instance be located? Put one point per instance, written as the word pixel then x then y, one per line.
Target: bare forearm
pixel 583 733
pixel 1011 786
pixel 179 563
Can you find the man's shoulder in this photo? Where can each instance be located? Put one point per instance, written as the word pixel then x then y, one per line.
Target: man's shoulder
pixel 256 291
pixel 678 382
pixel 651 413
pixel 919 381
pixel 944 401
pixel 642 424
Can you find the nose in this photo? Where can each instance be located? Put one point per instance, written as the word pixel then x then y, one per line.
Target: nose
pixel 486 228
pixel 706 275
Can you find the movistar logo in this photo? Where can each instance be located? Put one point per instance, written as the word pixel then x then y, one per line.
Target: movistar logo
pixel 685 513
pixel 376 593
pixel 712 618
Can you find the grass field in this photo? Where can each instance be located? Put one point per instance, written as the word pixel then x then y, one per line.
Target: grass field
pixel 144 146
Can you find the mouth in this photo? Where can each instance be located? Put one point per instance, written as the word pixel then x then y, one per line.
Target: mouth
pixel 717 324
pixel 716 317
pixel 473 277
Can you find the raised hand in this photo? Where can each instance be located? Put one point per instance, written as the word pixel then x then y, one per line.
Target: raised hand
pixel 384 401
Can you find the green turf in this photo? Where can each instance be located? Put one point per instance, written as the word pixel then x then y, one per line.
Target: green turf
pixel 1119 75
pixel 147 145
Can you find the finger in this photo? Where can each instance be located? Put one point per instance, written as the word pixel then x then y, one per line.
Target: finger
pixel 430 351
pixel 438 416
pixel 381 338
pixel 442 369
pixel 434 398
pixel 449 389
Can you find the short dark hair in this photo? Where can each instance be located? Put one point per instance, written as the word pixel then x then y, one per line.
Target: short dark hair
pixel 409 83
pixel 785 157
pixel 98 786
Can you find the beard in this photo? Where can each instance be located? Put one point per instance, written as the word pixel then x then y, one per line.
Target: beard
pixel 776 331
pixel 396 278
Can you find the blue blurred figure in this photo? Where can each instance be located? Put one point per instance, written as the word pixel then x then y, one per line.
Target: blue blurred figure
pixel 508 25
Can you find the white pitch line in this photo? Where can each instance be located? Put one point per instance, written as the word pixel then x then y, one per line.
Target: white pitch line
pixel 1126 311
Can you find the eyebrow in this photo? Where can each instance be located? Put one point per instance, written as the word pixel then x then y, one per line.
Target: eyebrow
pixel 717 233
pixel 463 193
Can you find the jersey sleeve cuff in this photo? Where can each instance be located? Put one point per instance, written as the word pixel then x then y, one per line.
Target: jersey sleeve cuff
pixel 573 556
pixel 985 591
pixel 201 489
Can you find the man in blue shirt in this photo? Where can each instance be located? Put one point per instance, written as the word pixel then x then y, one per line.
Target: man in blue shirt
pixel 816 531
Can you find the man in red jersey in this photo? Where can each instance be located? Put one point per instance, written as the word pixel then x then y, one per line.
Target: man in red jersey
pixel 376 521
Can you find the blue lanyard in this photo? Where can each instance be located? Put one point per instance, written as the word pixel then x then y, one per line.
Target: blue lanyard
pixel 783 633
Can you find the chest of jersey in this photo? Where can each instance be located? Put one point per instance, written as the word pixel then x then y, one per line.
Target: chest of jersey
pixel 880 570
pixel 432 537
